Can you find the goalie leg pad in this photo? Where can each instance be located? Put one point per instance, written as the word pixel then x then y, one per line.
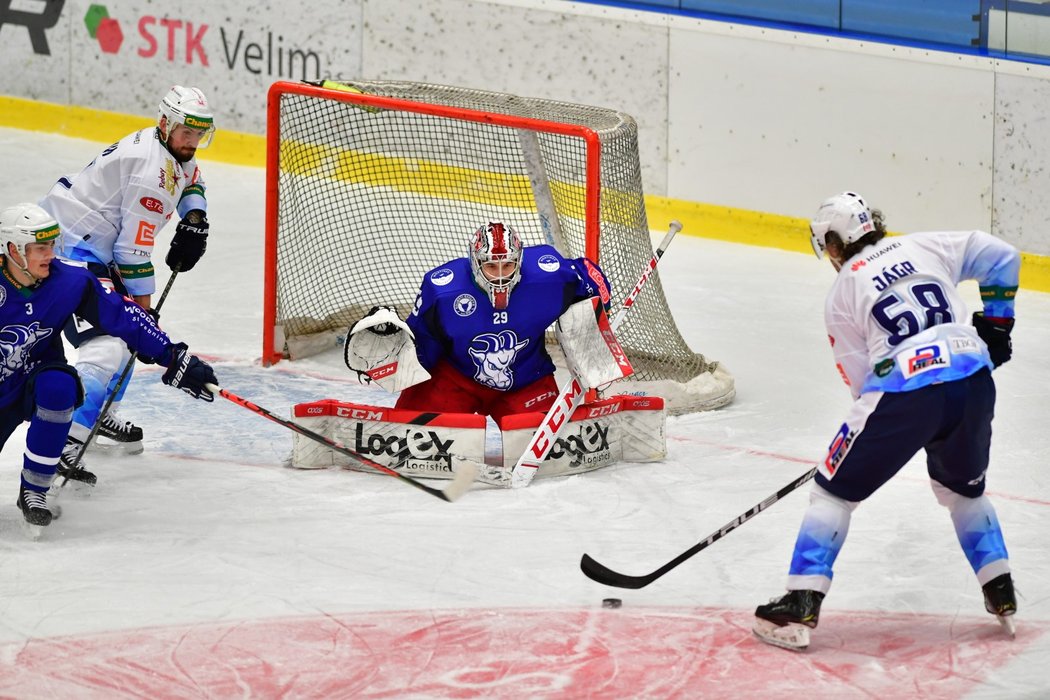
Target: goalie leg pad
pixel 411 442
pixel 591 350
pixel 619 428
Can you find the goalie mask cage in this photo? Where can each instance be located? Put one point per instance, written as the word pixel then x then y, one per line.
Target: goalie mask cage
pixel 371 184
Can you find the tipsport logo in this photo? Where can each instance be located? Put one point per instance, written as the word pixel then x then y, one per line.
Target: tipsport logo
pixel 193 43
pixel 36 23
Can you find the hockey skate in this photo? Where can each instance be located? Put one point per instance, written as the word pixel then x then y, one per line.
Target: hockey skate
pixel 69 469
pixel 117 434
pixel 785 622
pixel 1000 600
pixel 35 513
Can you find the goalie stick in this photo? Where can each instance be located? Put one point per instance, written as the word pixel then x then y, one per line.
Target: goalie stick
pixel 603 574
pixel 116 390
pixel 572 393
pixel 461 482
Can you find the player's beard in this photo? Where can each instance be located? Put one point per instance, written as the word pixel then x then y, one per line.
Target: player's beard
pixel 185 154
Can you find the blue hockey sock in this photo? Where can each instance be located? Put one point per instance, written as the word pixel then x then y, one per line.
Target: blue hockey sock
pixel 977 527
pixel 820 537
pixel 56 393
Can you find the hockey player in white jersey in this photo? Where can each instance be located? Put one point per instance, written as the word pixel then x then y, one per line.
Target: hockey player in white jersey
pixel 920 375
pixel 112 213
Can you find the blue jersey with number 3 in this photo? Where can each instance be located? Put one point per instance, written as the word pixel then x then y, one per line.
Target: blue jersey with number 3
pixel 32 318
pixel 454 319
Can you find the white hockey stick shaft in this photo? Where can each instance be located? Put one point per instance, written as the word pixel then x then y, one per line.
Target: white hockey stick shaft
pixel 572 393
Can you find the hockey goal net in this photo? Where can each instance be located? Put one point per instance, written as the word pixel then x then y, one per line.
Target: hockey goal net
pixel 371 184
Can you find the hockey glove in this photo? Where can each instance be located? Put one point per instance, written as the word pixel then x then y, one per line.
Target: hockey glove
pixel 189 243
pixel 995 332
pixel 189 373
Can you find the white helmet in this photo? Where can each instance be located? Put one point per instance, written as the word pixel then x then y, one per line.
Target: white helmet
pixel 846 214
pixel 496 242
pixel 189 107
pixel 26 223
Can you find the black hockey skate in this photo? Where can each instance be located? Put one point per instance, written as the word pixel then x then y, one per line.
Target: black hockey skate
pixel 1000 600
pixel 69 469
pixel 35 512
pixel 115 433
pixel 785 622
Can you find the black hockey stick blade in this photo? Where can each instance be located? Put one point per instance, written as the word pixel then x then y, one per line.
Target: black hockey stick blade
pixel 465 472
pixel 603 574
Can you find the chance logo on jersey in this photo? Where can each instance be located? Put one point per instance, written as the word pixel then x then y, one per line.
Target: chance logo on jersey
pixel 493 354
pixel 924 358
pixel 16 342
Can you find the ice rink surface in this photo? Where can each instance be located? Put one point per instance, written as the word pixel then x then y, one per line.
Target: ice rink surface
pixel 205 568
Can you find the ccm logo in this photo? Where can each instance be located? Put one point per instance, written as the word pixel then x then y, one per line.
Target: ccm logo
pixel 358 413
pixel 385 370
pixel 604 410
pixel 151 204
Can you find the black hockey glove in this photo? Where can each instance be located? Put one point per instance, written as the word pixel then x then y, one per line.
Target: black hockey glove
pixel 189 373
pixel 189 243
pixel 995 332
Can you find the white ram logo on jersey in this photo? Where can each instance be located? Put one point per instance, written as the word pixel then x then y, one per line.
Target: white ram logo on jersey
pixel 493 354
pixel 16 342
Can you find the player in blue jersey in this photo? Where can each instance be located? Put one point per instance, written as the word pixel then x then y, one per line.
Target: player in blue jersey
pixel 38 296
pixel 112 212
pixel 478 326
pixel 919 369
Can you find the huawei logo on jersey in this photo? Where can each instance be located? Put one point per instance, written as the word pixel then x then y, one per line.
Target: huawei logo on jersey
pixel 857 265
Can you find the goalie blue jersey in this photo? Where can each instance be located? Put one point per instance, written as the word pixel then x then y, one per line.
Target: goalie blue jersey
pixel 32 318
pixel 454 320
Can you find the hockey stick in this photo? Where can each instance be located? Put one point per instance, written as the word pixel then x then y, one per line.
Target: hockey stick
pixel 116 390
pixel 461 482
pixel 603 574
pixel 572 393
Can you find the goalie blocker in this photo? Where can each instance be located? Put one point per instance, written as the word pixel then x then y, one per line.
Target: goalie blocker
pixel 614 429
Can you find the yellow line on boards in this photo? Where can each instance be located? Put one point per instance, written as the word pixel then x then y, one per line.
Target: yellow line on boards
pixel 698 219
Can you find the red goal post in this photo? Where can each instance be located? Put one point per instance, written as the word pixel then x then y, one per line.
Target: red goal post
pixel 370 184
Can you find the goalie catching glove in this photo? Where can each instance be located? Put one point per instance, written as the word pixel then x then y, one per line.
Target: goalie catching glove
pixel 382 349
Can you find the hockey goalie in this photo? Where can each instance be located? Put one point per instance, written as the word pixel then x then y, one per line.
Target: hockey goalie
pixel 473 347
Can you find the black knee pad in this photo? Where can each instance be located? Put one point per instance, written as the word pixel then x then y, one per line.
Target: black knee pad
pixel 57 366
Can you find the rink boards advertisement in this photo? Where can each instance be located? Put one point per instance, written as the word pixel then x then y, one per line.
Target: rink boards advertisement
pixel 737 118
pixel 121 56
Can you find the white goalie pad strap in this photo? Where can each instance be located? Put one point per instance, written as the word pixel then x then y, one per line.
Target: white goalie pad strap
pixel 414 443
pixel 590 346
pixel 619 428
pixel 381 346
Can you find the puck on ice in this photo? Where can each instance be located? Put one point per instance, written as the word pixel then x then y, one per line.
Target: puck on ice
pixel 612 603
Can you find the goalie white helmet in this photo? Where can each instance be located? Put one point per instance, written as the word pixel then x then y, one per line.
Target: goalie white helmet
pixel 845 214
pixel 188 107
pixel 26 223
pixel 495 257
